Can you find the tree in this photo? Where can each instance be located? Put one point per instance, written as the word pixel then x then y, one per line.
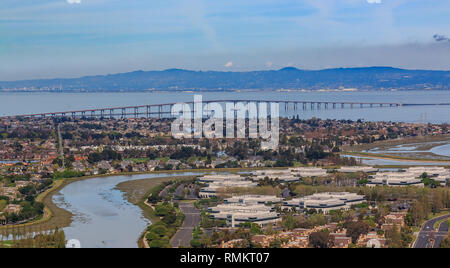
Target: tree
pixel 319 239
pixel 446 242
pixel 356 229
pixel 255 229
pixel 288 222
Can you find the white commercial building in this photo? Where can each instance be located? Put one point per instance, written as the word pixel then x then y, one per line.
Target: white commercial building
pixel 309 172
pixel 398 179
pixel 260 218
pixel 443 179
pixel 430 171
pixel 212 188
pixel 357 169
pixel 253 199
pixel 271 172
pixel 325 202
pixel 220 178
pixel 284 176
pixel 237 214
pixel 239 208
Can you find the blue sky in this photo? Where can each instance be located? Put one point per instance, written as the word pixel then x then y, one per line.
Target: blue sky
pixel 55 38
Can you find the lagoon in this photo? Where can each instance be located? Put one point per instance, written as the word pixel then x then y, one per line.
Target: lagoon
pixel 103 218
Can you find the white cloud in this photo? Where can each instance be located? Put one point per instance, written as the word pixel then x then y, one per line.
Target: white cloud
pixel 74 1
pixel 229 64
pixel 374 1
pixel 269 64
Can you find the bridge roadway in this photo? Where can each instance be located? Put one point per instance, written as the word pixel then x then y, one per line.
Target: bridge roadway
pixel 159 111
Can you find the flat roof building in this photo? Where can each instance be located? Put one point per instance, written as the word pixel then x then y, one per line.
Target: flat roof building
pixel 357 169
pixel 283 178
pixel 309 172
pixel 253 199
pixel 326 202
pixel 396 179
pixel 212 188
pixel 237 214
pixel 431 171
pixel 220 178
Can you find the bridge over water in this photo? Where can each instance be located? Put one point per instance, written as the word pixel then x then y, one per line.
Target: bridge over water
pixel 164 110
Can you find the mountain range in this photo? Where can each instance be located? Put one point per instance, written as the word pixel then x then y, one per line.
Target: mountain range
pixel 367 78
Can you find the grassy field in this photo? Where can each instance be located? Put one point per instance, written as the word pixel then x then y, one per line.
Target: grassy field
pixel 395 157
pixel 3 204
pixel 422 144
pixel 6 244
pixel 391 143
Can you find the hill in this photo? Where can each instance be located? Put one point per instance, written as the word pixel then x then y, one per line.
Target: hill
pixel 369 78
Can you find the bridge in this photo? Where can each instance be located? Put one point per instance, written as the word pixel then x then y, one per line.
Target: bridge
pixel 164 110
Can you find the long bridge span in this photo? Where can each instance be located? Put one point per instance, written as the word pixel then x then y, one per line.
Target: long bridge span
pixel 164 110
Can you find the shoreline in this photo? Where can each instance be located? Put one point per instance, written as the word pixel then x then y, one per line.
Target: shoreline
pixel 129 188
pixel 56 217
pixel 395 158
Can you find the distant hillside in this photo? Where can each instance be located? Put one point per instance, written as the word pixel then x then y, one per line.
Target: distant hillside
pixel 371 78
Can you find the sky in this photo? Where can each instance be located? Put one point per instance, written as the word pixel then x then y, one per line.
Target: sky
pixel 72 38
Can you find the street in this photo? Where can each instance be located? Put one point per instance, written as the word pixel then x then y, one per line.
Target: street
pixel 184 235
pixel 427 232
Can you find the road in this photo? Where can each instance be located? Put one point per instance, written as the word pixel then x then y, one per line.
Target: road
pixel 427 232
pixel 164 192
pixel 184 235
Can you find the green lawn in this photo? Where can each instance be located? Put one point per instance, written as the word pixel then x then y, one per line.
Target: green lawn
pixel 3 204
pixel 5 244
pixel 138 160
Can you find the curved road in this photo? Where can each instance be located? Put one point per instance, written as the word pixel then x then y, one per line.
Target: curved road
pixel 427 232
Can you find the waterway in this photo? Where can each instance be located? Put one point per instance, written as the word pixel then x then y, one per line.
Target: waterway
pixel 103 218
pixel 31 103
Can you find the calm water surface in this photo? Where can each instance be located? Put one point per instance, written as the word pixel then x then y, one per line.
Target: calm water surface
pixel 441 150
pixel 103 218
pixel 26 103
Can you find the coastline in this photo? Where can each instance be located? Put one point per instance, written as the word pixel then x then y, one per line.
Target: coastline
pixel 129 189
pixel 396 158
pixel 56 217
